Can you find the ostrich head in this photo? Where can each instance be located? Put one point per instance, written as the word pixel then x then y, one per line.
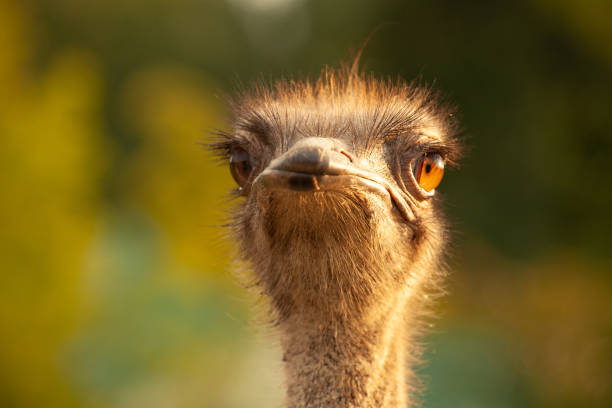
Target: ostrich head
pixel 340 226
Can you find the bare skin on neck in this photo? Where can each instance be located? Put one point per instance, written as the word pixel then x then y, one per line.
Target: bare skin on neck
pixel 338 231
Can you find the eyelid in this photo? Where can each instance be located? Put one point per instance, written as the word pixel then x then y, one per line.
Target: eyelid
pixel 239 143
pixel 419 149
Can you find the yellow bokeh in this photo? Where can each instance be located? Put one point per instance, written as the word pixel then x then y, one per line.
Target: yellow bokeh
pixel 52 157
pixel 172 176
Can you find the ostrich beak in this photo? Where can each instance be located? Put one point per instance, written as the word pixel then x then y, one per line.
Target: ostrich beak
pixel 319 164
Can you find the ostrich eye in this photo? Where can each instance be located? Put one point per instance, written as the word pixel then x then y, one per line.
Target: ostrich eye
pixel 241 166
pixel 428 171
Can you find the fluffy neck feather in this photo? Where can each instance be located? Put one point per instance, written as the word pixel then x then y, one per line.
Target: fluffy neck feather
pixel 357 363
pixel 347 300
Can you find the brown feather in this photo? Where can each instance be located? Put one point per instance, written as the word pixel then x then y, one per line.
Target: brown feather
pixel 348 280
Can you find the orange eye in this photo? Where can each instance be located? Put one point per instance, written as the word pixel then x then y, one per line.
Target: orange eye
pixel 428 171
pixel 241 166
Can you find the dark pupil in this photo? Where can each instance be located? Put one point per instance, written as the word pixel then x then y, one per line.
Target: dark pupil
pixel 245 166
pixel 427 168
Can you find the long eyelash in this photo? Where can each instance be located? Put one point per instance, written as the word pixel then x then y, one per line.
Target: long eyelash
pixel 222 144
pixel 449 150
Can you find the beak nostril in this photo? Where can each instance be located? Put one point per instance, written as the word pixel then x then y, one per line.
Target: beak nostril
pixel 347 154
pixel 313 157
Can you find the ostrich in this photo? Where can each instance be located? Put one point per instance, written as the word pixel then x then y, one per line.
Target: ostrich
pixel 341 228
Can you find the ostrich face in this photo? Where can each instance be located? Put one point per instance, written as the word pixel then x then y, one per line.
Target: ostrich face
pixel 339 179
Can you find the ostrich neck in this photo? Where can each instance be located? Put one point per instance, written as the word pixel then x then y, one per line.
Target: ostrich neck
pixel 357 361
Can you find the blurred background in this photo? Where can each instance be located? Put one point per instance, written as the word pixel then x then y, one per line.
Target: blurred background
pixel 115 288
